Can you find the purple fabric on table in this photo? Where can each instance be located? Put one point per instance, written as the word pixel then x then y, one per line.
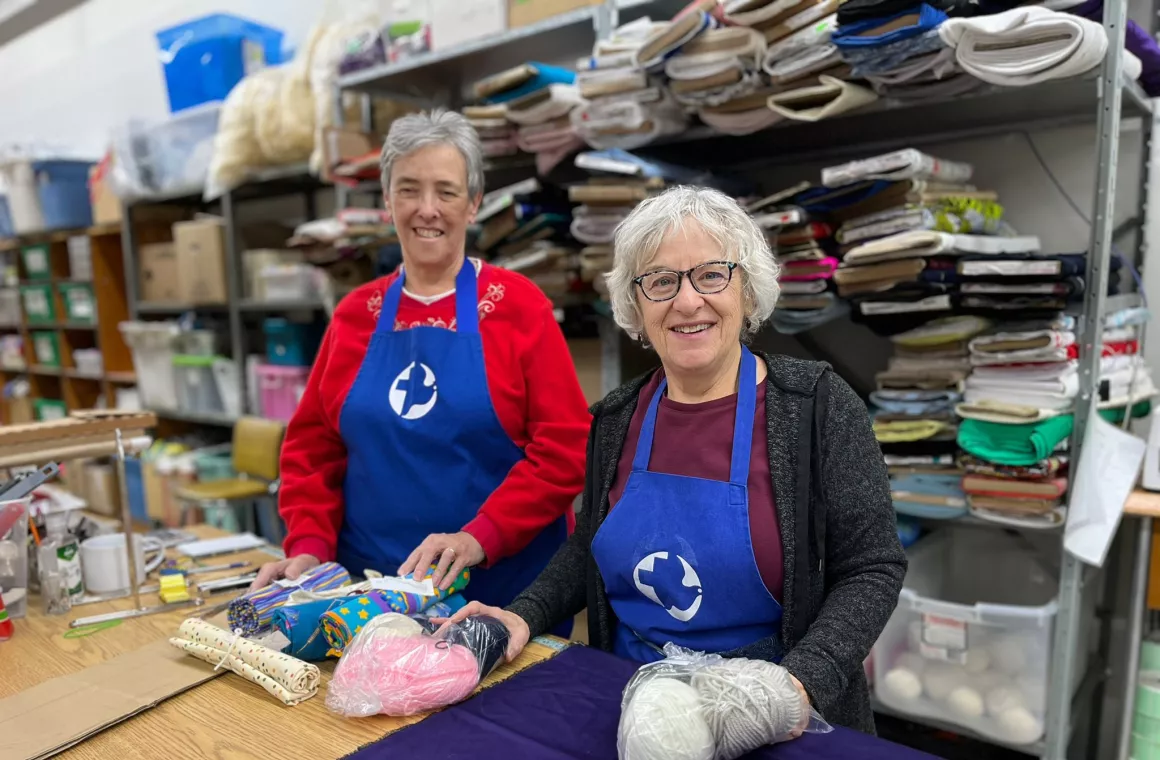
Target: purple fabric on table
pixel 568 708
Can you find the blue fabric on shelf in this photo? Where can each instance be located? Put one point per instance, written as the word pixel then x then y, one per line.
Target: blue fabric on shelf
pixel 545 75
pixel 854 35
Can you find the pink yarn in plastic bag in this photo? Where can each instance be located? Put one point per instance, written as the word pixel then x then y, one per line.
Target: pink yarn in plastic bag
pixel 400 676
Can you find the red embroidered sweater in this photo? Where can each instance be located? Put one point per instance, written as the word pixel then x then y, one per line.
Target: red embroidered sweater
pixel 533 386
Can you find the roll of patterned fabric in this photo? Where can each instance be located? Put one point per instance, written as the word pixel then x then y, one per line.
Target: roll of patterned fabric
pixel 253 612
pixel 300 624
pixel 343 623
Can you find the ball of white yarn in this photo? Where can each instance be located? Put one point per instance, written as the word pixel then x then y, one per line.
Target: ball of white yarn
pixel 1003 698
pixel 748 704
pixel 977 661
pixel 913 662
pixel 965 702
pixel 941 678
pixel 394 624
pixel 1019 725
pixel 664 720
pixel 903 684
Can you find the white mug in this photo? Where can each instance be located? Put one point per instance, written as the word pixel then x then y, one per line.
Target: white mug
pixel 104 565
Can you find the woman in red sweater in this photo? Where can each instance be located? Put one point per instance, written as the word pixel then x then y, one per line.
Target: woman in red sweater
pixel 443 420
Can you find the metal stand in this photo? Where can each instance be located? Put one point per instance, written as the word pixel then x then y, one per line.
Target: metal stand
pixel 127 523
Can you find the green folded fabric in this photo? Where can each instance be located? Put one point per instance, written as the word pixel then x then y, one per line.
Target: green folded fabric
pixel 1018 445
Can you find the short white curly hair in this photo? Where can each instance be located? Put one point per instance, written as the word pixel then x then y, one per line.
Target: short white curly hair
pixel 638 237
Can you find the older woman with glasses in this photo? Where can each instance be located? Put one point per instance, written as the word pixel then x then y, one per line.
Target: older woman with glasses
pixel 735 503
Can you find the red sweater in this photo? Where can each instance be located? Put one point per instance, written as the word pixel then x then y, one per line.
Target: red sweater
pixel 533 387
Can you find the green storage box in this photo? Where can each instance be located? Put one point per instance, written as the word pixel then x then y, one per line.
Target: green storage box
pixel 37 264
pixel 46 348
pixel 79 304
pixel 39 307
pixel 49 409
pixel 212 467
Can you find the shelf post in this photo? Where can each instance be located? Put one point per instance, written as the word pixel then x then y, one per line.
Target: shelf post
pixel 1066 636
pixel 234 277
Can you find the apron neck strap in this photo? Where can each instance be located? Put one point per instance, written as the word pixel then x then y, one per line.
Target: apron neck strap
pixel 466 300
pixel 742 423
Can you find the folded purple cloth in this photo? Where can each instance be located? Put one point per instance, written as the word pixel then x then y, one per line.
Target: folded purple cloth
pixel 1136 40
pixel 568 708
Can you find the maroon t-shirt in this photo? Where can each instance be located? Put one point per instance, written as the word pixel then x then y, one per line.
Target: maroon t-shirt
pixel 696 440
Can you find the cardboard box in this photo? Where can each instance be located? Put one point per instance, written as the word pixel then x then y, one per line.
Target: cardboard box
pixel 201 261
pixel 106 205
pixel 525 12
pixel 457 22
pixel 160 278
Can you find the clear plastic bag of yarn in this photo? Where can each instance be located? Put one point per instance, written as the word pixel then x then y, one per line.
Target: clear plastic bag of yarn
pixel 399 665
pixel 696 706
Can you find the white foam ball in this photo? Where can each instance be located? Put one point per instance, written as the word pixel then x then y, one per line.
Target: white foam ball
pixel 663 719
pixel 913 662
pixel 1003 698
pixel 1009 655
pixel 1019 726
pixel 965 702
pixel 977 661
pixel 941 678
pixel 902 684
pixel 1034 690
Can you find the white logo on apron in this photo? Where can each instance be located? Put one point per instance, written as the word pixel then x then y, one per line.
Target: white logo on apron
pixel 690 580
pixel 398 396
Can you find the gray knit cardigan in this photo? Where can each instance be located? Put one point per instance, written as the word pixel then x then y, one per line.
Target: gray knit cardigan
pixel 844 564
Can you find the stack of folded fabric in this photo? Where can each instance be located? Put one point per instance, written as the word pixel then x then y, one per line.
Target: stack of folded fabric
pixel 914 418
pixel 497 135
pixel 718 66
pixel 803 246
pixel 518 217
pixel 624 106
pixel 896 47
pixel 1028 45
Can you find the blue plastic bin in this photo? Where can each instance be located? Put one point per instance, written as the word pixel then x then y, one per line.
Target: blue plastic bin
pixel 204 58
pixel 291 344
pixel 63 189
pixel 6 228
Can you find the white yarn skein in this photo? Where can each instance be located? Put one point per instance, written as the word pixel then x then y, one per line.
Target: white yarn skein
pixel 1019 725
pixel 977 661
pixel 965 702
pixel 748 704
pixel 664 720
pixel 902 683
pixel 1002 699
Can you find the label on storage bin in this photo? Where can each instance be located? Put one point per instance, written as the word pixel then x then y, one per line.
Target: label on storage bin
pixel 36 259
pixel 943 638
pixel 36 302
pixel 81 305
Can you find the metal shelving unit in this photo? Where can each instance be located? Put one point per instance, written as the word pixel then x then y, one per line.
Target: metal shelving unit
pixel 277 182
pixel 1104 97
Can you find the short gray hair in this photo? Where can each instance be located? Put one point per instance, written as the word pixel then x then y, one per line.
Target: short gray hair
pixel 413 131
pixel 638 237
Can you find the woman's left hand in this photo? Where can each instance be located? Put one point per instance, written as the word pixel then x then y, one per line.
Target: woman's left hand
pixel 806 698
pixel 454 551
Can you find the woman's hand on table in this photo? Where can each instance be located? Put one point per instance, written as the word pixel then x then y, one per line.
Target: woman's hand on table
pixel 454 552
pixel 289 568
pixel 806 698
pixel 517 628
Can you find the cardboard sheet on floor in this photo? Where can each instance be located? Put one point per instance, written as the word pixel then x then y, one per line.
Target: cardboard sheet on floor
pixel 53 716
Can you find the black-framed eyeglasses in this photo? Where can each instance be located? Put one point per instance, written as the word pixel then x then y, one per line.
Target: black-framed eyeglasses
pixel 707 279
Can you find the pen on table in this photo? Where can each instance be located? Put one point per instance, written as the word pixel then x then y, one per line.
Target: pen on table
pixel 35 530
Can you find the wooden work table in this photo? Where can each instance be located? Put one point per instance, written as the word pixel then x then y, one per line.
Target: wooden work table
pixel 226 717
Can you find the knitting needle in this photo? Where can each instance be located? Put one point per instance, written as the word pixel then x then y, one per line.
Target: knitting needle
pixel 140 612
pixel 153 588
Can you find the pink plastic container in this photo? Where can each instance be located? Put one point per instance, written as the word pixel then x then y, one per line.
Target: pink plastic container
pixel 281 387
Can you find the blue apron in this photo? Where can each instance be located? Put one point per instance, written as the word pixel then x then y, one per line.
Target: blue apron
pixel 676 555
pixel 425 448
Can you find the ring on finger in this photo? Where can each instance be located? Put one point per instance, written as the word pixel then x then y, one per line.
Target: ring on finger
pixel 450 549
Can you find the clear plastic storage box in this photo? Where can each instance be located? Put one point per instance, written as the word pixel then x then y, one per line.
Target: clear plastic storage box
pixel 281 389
pixel 197 389
pixel 152 347
pixel 167 157
pixel 970 640
pixel 9 307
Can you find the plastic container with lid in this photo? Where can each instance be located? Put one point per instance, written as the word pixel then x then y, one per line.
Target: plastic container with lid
pixel 197 390
pixel 14 558
pixel 89 361
pixel 48 195
pixel 281 389
pixel 291 344
pixel 152 347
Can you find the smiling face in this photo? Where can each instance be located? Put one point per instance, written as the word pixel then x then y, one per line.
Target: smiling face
pixel 692 333
pixel 429 204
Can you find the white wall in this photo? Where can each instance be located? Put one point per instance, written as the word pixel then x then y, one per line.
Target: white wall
pixel 72 80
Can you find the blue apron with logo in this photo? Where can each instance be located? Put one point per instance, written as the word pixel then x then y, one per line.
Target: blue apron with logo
pixel 676 555
pixel 425 448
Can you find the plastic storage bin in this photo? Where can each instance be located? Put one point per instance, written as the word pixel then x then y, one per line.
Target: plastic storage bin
pixel 46 409
pixel 229 385
pixel 281 389
pixel 46 348
pixel 79 304
pixel 89 361
pixel 37 265
pixel 39 306
pixel 970 640
pixel 48 195
pixel 9 307
pixel 12 352
pixel 205 57
pixel 196 387
pixel 6 227
pixel 290 344
pixel 195 343
pixel 287 282
pixel 172 156
pixel 211 467
pixel 152 347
